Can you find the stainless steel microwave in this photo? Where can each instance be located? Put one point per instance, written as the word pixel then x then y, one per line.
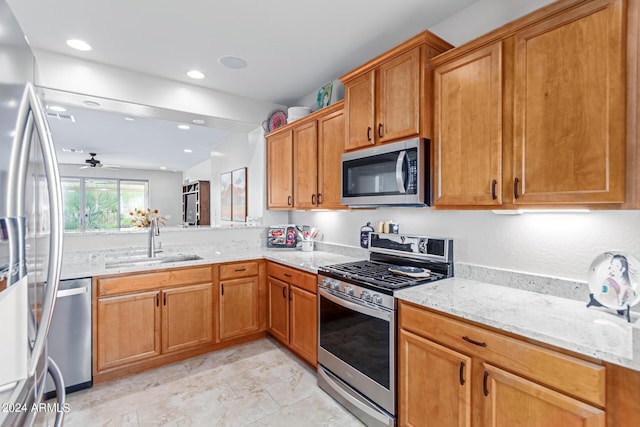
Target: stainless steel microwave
pixel 390 174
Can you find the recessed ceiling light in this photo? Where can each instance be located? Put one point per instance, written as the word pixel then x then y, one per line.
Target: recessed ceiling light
pixel 233 62
pixel 57 108
pixel 184 127
pixel 163 168
pixel 91 103
pixel 79 45
pixel 198 121
pixel 188 150
pixel 195 74
pixel 130 119
pixel 12 103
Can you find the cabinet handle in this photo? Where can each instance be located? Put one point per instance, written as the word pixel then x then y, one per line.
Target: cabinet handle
pixel 222 286
pixel 379 130
pixel 238 270
pixel 369 133
pixel 478 343
pixel 485 389
pixel 287 275
pixel 516 180
pixel 284 292
pixel 157 300
pixel 493 189
pixel 165 298
pixel 461 373
pixel 319 198
pixel 289 200
pixel 313 199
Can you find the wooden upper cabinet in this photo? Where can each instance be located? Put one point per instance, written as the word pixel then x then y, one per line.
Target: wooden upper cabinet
pixel 510 400
pixel 468 129
pixel 569 109
pixel 280 171
pixel 305 165
pixel 359 98
pixel 398 97
pixel 331 131
pixel 388 98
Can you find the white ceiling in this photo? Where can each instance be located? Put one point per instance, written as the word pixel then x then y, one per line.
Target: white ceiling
pixel 291 47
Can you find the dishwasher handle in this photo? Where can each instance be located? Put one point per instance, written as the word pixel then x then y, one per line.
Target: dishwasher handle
pixel 74 291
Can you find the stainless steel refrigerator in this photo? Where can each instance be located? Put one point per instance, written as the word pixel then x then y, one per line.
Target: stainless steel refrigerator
pixel 31 227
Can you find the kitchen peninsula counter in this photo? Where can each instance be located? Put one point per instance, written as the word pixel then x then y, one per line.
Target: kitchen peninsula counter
pixel 561 322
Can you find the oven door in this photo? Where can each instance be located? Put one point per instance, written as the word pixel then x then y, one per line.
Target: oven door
pixel 356 343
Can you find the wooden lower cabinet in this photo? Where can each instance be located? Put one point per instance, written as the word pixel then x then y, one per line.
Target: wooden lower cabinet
pixel 293 310
pixel 452 373
pixel 422 392
pixel 128 329
pixel 187 317
pixel 511 400
pixel 239 307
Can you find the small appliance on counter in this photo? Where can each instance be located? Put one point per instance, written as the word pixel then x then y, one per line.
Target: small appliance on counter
pixel 282 236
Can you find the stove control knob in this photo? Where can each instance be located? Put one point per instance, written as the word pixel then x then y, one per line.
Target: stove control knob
pixel 325 282
pixel 335 286
pixel 366 295
pixel 377 299
pixel 349 290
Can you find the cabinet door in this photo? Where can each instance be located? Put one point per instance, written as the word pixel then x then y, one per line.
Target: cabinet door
pixel 187 317
pixel 330 148
pixel 239 307
pixel 434 387
pixel 280 171
pixel 570 107
pixel 278 309
pixel 398 97
pixel 511 400
pixel 360 108
pixel 304 323
pixel 305 164
pixel 128 329
pixel 468 129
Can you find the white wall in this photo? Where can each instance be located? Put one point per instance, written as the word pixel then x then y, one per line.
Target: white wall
pixel 554 244
pixel 482 17
pixel 199 172
pixel 165 188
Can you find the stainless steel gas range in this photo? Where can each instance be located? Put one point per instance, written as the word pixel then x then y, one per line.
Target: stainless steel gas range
pixel 357 320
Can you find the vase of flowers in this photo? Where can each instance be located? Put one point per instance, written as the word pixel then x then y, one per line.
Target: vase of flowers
pixel 141 218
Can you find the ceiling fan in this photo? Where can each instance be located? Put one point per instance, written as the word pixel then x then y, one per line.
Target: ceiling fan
pixel 95 163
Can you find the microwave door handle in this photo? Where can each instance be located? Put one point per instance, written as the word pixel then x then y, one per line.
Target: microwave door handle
pixel 400 180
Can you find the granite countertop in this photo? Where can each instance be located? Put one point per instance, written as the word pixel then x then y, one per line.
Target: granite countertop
pixel 561 322
pixel 77 265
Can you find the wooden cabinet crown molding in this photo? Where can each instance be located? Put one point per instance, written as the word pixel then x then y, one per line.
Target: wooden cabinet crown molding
pixel 424 37
pixel 308 118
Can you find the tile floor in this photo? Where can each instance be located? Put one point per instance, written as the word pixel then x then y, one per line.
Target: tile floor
pixel 254 384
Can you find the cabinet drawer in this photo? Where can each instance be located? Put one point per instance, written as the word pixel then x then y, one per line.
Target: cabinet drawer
pixel 238 269
pixel 301 279
pixel 568 374
pixel 146 281
pixel 132 283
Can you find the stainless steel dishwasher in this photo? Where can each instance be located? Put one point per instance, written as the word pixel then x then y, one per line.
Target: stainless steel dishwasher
pixel 69 341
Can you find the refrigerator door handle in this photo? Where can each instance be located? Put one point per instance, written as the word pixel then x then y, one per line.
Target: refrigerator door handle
pixel 54 185
pixel 61 395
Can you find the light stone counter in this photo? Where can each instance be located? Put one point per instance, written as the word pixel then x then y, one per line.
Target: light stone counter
pixel 554 320
pixel 89 264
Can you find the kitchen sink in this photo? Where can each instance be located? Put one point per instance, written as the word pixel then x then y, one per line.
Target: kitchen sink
pixel 140 261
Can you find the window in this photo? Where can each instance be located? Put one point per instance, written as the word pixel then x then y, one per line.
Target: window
pixel 99 204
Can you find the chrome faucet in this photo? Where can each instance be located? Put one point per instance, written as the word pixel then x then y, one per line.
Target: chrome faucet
pixel 154 231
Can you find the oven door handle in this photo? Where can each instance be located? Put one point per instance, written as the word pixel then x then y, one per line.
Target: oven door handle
pixel 379 314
